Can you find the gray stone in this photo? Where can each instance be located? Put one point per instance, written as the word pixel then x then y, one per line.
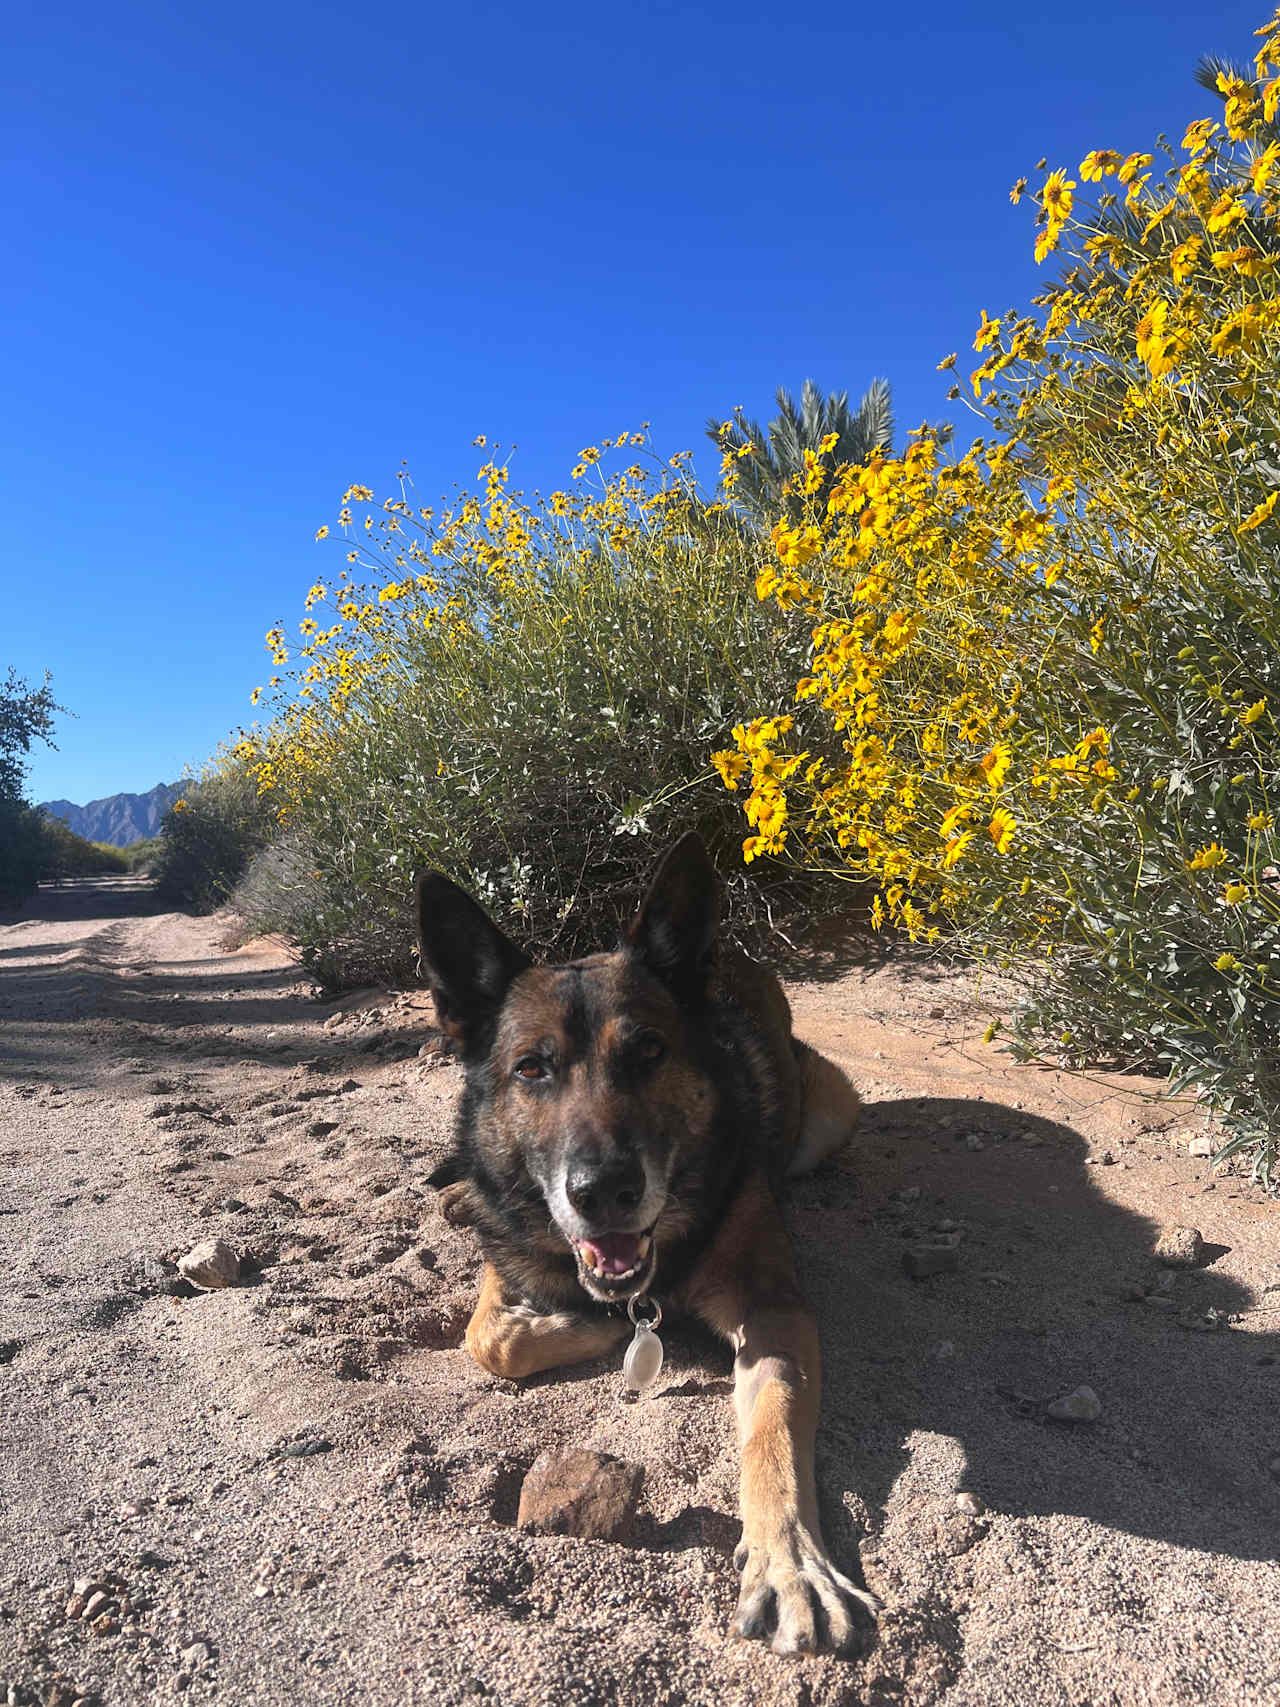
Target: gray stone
pixel 582 1493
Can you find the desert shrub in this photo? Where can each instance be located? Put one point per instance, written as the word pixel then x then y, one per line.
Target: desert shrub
pixel 142 854
pixel 522 693
pixel 1049 669
pixel 26 715
pixel 67 855
pixel 208 837
pixel 22 849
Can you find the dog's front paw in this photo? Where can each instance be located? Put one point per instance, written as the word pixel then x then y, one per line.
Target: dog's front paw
pixel 794 1596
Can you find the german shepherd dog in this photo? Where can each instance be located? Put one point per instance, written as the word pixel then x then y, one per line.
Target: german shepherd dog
pixel 625 1123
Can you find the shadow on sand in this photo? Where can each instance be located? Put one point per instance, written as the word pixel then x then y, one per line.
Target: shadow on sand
pixel 1049 1295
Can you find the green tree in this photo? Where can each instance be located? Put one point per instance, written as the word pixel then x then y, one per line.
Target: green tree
pixel 770 466
pixel 26 715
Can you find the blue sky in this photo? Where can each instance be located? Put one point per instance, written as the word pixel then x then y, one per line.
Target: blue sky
pixel 259 253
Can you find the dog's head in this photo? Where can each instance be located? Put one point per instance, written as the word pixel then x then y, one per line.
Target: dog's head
pixel 587 1087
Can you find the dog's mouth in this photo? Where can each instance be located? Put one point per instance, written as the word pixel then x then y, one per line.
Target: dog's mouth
pixel 616 1265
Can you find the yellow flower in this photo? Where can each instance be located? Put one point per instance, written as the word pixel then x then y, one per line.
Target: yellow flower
pixel 1017 192
pixel 1207 858
pixel 991 1030
pixel 1234 893
pixel 987 332
pixel 732 767
pixel 322 533
pixel 955 848
pixel 1262 821
pixel 1001 829
pixel 1260 171
pixel 1183 259
pixel 1098 164
pixel 1257 516
pixel 1242 105
pixel 995 766
pixel 1131 166
pixel 1056 196
pixel 1254 712
pixel 1196 138
pixel 1225 963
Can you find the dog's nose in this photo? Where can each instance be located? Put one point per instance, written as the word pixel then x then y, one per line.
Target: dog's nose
pixel 601 1189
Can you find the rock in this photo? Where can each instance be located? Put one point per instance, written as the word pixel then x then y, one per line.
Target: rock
pixel 210 1265
pixel 582 1493
pixel 1083 1405
pixel 973 1141
pixel 321 1128
pixel 1200 1147
pixel 969 1504
pixel 921 1261
pixel 1180 1247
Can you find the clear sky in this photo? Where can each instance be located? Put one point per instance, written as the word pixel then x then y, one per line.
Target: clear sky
pixel 256 253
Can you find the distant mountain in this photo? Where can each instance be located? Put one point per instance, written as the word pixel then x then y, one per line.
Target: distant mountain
pixel 120 818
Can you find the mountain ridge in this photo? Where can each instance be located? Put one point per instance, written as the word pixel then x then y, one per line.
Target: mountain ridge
pixel 117 819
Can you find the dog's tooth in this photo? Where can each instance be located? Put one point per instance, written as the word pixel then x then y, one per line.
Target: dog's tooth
pixel 643 1246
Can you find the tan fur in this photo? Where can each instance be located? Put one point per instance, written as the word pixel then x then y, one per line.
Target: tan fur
pixel 831 1107
pixel 745 1288
pixel 507 1337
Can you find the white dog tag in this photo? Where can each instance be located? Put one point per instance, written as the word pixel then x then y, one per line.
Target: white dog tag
pixel 643 1363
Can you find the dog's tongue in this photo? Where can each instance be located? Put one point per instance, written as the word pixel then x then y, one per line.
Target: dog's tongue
pixel 614 1253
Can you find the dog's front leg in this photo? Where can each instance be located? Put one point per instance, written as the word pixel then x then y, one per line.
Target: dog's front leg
pixel 791 1590
pixel 508 1337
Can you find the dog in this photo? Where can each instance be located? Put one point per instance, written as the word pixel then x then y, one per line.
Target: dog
pixel 626 1123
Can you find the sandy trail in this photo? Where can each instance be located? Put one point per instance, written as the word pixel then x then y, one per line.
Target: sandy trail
pixel 300 1489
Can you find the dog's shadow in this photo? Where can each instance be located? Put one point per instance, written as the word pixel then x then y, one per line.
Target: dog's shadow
pixel 1055 1286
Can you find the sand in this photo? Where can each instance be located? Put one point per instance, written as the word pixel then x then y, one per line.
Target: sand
pixel 299 1490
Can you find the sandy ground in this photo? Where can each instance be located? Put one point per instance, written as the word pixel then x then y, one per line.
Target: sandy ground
pixel 300 1490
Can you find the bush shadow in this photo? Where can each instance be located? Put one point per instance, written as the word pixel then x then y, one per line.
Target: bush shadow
pixel 1056 1286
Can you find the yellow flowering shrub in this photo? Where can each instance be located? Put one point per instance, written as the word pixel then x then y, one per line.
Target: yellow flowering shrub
pixel 522 691
pixel 1048 667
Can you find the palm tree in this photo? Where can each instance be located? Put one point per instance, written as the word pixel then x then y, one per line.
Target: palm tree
pixel 767 487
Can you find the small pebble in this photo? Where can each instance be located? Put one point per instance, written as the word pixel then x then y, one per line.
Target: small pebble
pixel 970 1504
pixel 1083 1405
pixel 1200 1147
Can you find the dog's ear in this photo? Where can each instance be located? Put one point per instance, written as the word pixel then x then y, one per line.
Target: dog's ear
pixel 466 959
pixel 675 929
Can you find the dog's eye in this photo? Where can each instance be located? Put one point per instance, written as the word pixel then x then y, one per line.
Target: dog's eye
pixel 530 1068
pixel 649 1047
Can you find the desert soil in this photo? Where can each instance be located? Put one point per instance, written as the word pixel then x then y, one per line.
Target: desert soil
pixel 299 1490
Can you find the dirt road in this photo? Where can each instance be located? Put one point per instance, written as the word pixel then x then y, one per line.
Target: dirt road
pixel 300 1491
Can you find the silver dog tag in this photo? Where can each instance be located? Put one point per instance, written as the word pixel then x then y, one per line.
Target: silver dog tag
pixel 642 1365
